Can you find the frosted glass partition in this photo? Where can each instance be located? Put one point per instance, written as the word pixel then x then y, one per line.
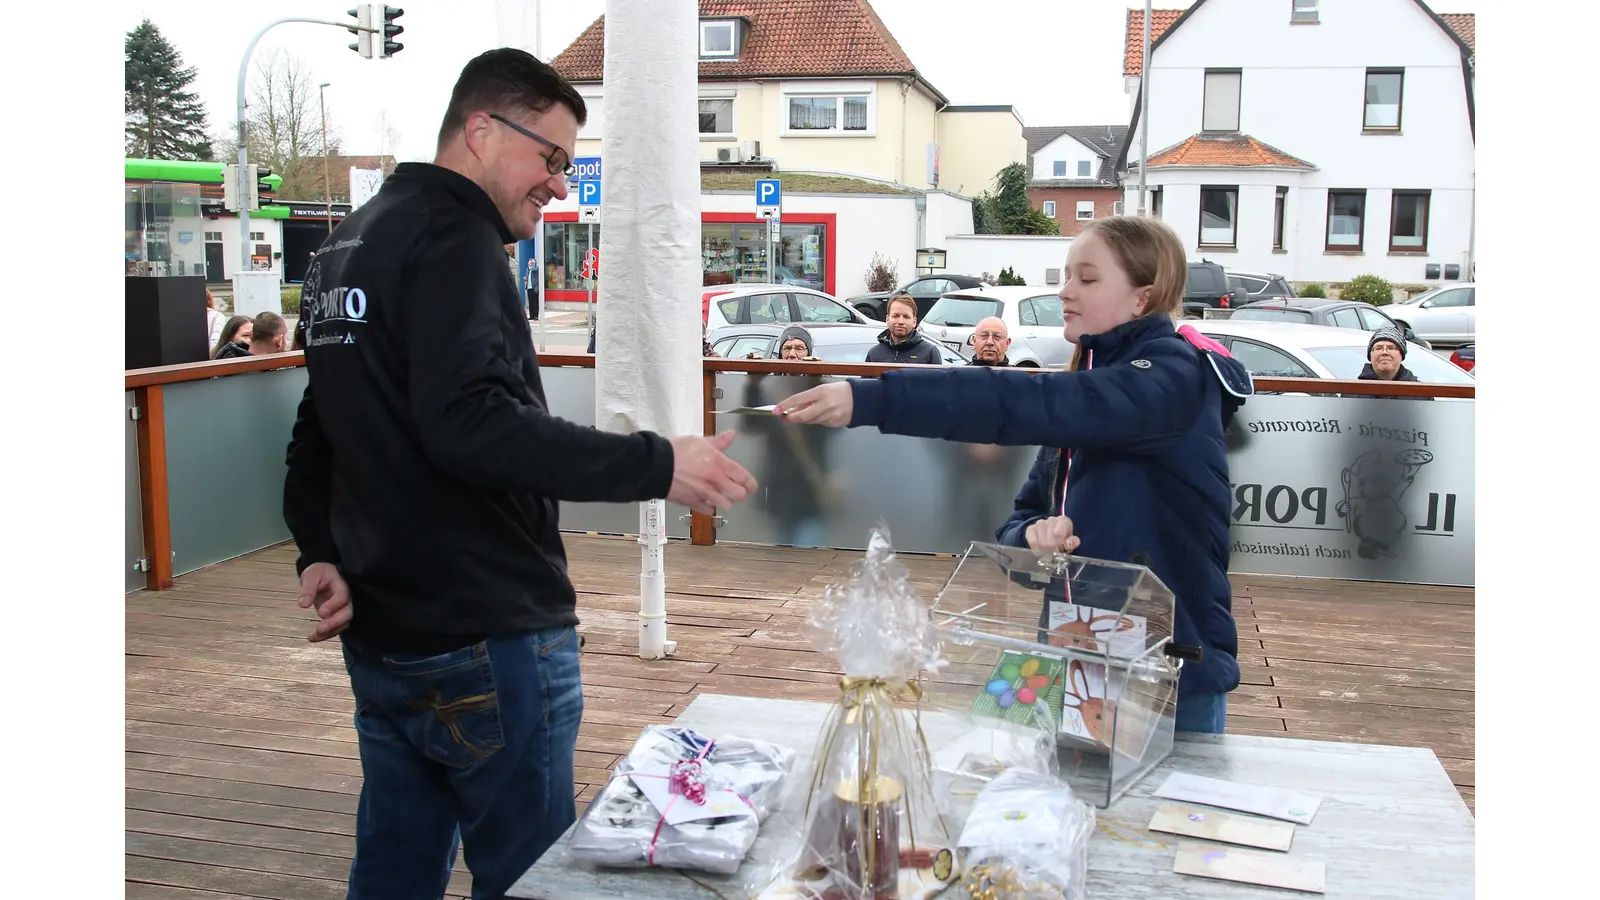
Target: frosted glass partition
pixel 570 393
pixel 226 439
pixel 825 487
pixel 133 527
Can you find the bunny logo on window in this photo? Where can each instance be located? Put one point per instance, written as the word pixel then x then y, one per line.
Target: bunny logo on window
pixel 1373 487
pixel 1090 708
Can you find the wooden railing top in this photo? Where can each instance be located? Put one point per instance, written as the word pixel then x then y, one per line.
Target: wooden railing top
pixel 218 368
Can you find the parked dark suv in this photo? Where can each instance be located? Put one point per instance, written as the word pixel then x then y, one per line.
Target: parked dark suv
pixel 1207 288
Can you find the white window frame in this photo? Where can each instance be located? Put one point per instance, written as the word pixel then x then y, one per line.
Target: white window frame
pixel 732 134
pixel 1085 164
pixel 1220 90
pixel 1049 209
pixel 1085 211
pixel 1303 11
pixel 839 90
pixel 733 39
pixel 1058 165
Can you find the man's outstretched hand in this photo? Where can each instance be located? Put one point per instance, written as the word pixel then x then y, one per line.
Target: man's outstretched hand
pixel 704 479
pixel 322 586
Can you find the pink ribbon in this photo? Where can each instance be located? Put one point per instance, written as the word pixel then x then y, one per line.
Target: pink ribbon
pixel 686 779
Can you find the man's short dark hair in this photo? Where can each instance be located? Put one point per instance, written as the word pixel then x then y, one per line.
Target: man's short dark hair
pixel 508 80
pixel 267 326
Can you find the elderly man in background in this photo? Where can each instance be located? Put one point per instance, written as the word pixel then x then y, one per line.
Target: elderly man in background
pixel 990 341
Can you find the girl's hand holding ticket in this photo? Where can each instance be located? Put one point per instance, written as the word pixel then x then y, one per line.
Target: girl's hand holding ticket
pixel 829 405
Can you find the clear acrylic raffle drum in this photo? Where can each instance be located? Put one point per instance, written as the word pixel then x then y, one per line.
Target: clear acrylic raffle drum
pixel 1081 648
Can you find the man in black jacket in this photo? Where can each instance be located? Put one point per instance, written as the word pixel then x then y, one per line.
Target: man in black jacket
pixel 424 475
pixel 900 342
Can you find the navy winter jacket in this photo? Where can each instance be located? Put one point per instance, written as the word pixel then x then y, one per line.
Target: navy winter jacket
pixel 1143 431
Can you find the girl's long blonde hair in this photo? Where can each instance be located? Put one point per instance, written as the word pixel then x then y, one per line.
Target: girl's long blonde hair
pixel 1149 252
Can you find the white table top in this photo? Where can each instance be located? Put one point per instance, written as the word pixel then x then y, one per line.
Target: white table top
pixel 1391 824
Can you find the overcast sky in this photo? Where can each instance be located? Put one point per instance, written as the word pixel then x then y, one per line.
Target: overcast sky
pixel 1058 61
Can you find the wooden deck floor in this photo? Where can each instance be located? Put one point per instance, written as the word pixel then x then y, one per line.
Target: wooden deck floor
pixel 242 773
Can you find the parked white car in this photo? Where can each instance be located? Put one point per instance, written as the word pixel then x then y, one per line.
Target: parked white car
pixel 1444 315
pixel 772 304
pixel 1283 350
pixel 1031 314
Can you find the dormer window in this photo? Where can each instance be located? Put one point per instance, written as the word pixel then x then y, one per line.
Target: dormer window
pixel 1303 10
pixel 718 39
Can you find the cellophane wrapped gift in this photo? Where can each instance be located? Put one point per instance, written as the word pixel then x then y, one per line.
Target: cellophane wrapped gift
pixel 684 801
pixel 1026 838
pixel 871 827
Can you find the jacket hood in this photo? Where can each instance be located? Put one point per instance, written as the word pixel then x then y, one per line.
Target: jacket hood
pixel 912 339
pixel 1370 374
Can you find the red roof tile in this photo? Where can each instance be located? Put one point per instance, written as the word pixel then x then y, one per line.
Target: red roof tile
pixel 1465 25
pixel 1225 150
pixel 1462 24
pixel 786 38
pixel 1160 21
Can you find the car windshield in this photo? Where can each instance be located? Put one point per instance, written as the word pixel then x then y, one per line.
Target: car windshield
pixel 961 312
pixel 1347 362
pixel 1272 314
pixel 843 352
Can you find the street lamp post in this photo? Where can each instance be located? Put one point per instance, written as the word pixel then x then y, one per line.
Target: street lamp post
pixel 327 192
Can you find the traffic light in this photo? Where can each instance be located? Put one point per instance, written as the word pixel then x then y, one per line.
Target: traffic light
pixel 363 17
pixel 262 187
pixel 389 46
pixel 230 188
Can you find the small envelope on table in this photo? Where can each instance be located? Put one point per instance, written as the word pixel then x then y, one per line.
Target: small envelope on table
pixel 1192 821
pixel 1251 867
pixel 1275 803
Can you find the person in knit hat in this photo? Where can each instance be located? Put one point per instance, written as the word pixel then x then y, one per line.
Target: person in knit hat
pixel 1386 353
pixel 795 345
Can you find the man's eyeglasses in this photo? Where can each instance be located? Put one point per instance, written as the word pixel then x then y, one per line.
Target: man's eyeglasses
pixel 557 161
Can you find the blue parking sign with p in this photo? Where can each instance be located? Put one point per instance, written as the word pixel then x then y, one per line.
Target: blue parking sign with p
pixel 769 192
pixel 588 193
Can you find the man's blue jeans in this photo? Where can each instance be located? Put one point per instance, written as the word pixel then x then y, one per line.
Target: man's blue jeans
pixel 1206 713
pixel 476 743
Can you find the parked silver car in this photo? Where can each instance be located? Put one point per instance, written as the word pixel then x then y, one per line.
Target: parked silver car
pixel 843 342
pixel 1032 314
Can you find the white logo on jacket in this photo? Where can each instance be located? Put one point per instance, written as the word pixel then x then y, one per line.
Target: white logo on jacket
pixel 1141 364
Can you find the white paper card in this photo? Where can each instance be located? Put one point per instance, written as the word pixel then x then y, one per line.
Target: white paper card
pixel 1251 867
pixel 677 809
pixel 1275 803
pixel 1015 819
pixel 1005 748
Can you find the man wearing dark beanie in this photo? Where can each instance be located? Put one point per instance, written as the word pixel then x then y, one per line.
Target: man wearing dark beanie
pixel 1386 352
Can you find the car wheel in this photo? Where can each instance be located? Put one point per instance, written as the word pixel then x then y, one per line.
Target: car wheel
pixel 869 312
pixel 1027 364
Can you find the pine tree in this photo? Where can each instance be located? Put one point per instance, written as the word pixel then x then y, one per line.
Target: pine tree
pixel 162 119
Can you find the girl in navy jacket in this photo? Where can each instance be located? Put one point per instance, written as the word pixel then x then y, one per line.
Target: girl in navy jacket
pixel 1133 467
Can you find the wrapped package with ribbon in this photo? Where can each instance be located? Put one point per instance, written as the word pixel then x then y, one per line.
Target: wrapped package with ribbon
pixel 681 800
pixel 871 826
pixel 1026 838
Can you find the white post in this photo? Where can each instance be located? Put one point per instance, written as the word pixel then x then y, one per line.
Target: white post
pixel 653 643
pixel 648 375
pixel 1144 114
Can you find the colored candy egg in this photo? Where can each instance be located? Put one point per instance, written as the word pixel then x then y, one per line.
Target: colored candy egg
pixel 1038 682
pixel 1009 671
pixel 1025 696
pixel 1029 667
pixel 1008 698
pixel 998 687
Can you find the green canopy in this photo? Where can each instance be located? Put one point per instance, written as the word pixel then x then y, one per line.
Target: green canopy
pixel 188 170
